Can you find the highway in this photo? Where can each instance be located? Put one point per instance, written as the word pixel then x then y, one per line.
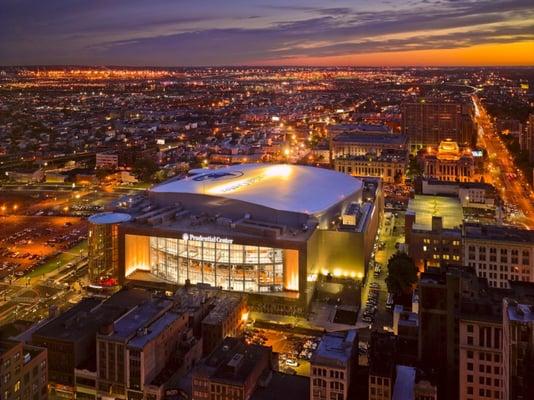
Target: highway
pixel 502 172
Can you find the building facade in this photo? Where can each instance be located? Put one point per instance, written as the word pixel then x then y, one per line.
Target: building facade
pixel 499 253
pixel 518 350
pixel 390 166
pixel 332 365
pixel 231 372
pixel 103 248
pixel 427 123
pixel 251 229
pixel 448 163
pixel 23 371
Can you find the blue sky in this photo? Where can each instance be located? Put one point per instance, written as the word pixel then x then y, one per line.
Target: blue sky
pixel 230 32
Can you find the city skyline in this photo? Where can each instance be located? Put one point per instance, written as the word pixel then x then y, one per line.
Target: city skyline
pixel 362 33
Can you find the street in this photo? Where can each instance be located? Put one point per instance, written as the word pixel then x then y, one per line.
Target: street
pixel 502 172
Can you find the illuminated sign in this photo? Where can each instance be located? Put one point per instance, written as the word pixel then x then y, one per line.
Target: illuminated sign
pixel 211 239
pixel 275 171
pixel 476 153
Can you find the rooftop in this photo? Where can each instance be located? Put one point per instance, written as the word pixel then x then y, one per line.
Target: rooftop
pixel 499 232
pixel 278 186
pixel 336 348
pixel 140 318
pixel 109 218
pixel 283 386
pixel 233 361
pixel 89 314
pixel 223 307
pixel 366 138
pixel 425 207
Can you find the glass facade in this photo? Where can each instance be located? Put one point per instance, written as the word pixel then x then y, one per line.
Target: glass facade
pixel 103 253
pixel 231 266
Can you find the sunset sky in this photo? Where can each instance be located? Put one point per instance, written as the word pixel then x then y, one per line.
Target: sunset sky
pixel 267 32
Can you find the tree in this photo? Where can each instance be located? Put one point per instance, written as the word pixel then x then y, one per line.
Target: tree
pixel 144 169
pixel 402 274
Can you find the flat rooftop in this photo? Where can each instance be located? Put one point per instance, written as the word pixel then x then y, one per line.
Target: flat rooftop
pixel 224 306
pixel 233 361
pixel 335 349
pixel 138 318
pixel 282 187
pixel 499 232
pixel 425 207
pixel 89 314
pixel 283 386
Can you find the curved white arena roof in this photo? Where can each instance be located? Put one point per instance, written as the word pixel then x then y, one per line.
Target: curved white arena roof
pixel 282 187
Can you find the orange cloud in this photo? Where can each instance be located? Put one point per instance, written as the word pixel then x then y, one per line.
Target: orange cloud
pixel 508 54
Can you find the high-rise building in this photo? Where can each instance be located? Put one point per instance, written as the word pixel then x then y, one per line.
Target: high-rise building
pixel 427 123
pixel 464 337
pixel 332 365
pixel 23 371
pixel 518 350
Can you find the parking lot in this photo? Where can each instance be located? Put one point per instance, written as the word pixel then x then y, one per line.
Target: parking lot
pixel 26 242
pixel 294 350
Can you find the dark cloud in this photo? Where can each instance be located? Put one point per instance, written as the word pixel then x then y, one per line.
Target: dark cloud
pixel 166 32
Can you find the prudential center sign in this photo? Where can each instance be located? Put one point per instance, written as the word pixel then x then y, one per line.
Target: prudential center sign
pixel 211 239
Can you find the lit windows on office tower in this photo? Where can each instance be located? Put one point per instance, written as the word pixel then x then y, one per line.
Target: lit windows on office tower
pixel 103 249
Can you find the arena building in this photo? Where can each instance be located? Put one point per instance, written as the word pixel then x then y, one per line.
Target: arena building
pixel 265 230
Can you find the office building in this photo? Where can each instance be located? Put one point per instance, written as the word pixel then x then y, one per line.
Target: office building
pixel 23 371
pixel 264 230
pixel 428 123
pixel 390 165
pixel 382 365
pixel 432 231
pixel 227 318
pixel 480 342
pixel 462 332
pixel 133 350
pixel 352 140
pixel 232 371
pixel 70 338
pixel 332 365
pixel 499 253
pixel 518 350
